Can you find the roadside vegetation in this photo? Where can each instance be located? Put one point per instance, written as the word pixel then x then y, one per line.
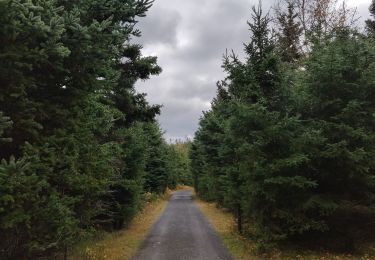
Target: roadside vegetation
pixel 121 244
pixel 244 248
pixel 288 146
pixel 80 149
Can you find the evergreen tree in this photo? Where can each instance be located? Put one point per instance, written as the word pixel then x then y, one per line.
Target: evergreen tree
pixel 371 23
pixel 268 160
pixel 209 164
pixel 262 65
pixel 290 32
pixel 270 149
pixel 156 178
pixel 5 123
pixel 181 151
pixel 340 82
pixel 67 73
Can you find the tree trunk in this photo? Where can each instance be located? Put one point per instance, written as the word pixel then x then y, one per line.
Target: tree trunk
pixel 239 218
pixel 66 253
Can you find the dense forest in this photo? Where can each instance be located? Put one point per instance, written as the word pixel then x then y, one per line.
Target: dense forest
pixel 288 145
pixel 79 146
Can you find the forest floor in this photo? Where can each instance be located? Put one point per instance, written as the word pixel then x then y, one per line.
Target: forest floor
pixel 243 248
pixel 124 243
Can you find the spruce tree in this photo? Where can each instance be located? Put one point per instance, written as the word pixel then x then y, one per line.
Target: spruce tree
pixel 340 82
pixel 156 178
pixel 5 123
pixel 371 23
pixel 290 32
pixel 68 71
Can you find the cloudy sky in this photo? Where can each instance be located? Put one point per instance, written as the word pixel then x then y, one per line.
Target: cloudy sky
pixel 189 38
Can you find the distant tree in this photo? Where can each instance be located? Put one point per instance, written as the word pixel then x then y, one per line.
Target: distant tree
pixel 156 178
pixel 208 161
pixel 289 32
pixel 5 123
pixel 322 18
pixel 179 164
pixel 371 23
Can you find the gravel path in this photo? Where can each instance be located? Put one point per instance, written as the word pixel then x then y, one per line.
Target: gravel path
pixel 182 233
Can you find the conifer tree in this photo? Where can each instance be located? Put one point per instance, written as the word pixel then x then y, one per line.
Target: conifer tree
pixel 290 31
pixel 67 73
pixel 156 179
pixel 340 82
pixel 371 23
pixel 290 151
pixel 5 123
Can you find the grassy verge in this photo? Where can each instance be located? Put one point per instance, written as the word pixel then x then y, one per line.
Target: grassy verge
pixel 122 244
pixel 242 248
pixel 224 224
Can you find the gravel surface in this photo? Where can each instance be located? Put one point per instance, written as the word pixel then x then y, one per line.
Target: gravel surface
pixel 182 233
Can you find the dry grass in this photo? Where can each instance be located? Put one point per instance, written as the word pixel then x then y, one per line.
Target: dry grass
pixel 224 224
pixel 242 248
pixel 183 187
pixel 122 244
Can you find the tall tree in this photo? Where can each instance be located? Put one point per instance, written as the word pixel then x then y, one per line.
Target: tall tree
pixel 322 18
pixel 290 31
pixel 371 23
pixel 294 157
pixel 341 85
pixel 68 70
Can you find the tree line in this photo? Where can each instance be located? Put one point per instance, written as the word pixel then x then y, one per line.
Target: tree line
pixel 288 145
pixel 79 147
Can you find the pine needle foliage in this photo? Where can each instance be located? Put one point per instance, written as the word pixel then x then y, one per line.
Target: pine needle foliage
pixel 287 145
pixel 79 147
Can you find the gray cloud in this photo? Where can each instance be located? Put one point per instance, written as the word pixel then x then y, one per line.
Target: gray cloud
pixel 363 12
pixel 190 38
pixel 160 28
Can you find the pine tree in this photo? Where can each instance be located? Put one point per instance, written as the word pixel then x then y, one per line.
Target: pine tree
pixel 371 23
pixel 157 175
pixel 5 123
pixel 340 82
pixel 290 32
pixel 262 63
pixel 181 149
pixel 67 74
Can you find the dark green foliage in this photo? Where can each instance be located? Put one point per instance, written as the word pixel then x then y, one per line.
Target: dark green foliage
pixel 125 195
pixel 371 23
pixel 79 146
pixel 208 160
pixel 179 164
pixel 156 179
pixel 30 209
pixel 290 31
pixel 340 82
pixel 290 150
pixel 5 123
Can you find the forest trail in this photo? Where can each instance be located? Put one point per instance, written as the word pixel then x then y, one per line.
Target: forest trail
pixel 182 233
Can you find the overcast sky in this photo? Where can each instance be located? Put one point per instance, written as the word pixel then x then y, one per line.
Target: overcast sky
pixel 189 37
